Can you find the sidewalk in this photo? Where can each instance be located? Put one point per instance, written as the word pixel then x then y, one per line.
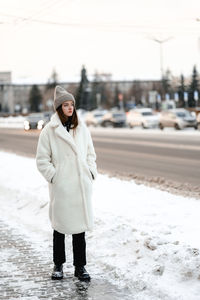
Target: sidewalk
pixel 26 274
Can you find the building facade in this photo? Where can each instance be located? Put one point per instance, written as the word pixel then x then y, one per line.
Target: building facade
pixel 14 98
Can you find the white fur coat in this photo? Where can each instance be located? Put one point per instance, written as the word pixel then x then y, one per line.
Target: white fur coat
pixel 66 162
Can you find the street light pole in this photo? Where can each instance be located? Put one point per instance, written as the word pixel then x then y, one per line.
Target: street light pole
pixel 161 42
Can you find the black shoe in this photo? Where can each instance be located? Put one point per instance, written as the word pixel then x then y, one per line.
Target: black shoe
pixel 57 272
pixel 82 274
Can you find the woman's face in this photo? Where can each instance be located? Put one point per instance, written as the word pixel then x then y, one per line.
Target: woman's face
pixel 68 108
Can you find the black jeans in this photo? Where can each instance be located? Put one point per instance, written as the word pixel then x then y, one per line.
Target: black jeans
pixel 78 245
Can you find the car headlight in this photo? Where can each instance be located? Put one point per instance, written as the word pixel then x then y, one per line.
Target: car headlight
pixel 26 123
pixel 41 122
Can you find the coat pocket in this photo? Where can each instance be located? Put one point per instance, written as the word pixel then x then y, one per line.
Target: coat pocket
pixel 88 171
pixel 54 179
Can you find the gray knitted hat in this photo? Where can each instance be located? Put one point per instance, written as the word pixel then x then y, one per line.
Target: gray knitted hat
pixel 61 95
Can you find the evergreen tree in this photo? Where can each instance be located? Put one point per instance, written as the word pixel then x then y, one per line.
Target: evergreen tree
pixel 194 86
pixel 95 91
pixel 35 99
pixel 104 98
pixel 53 80
pixel 116 96
pixel 83 92
pixel 181 91
pixel 136 92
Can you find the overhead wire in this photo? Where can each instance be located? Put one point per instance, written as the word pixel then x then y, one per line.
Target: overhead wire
pixel 30 18
pixel 143 29
pixel 22 20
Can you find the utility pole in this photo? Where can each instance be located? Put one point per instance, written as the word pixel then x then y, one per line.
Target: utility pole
pixel 161 42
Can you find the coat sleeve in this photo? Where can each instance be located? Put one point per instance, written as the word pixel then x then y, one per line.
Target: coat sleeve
pixel 91 157
pixel 43 157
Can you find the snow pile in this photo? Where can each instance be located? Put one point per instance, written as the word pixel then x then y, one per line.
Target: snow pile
pixel 12 122
pixel 144 239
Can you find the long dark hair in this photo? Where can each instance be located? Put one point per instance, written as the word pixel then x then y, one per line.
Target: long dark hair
pixel 64 118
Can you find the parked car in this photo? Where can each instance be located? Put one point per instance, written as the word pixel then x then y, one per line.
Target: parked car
pixel 82 113
pixel 36 121
pixel 178 118
pixel 48 114
pixel 94 117
pixel 144 117
pixel 198 121
pixel 114 119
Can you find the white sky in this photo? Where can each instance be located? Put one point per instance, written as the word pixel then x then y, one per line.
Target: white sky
pixel 111 36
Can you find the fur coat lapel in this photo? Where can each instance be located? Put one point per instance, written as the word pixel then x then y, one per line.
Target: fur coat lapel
pixel 63 133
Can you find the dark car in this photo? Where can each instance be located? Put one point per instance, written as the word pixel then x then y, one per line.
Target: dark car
pixel 114 119
pixel 36 121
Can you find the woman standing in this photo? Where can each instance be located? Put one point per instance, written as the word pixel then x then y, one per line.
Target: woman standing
pixel 67 160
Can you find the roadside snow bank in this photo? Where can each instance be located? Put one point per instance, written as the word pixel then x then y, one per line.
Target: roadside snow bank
pixel 144 239
pixel 12 122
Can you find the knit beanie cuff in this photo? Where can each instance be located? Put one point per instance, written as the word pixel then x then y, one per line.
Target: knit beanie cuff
pixel 61 95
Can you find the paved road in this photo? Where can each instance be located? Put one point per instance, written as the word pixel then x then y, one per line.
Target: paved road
pixel 169 155
pixel 172 157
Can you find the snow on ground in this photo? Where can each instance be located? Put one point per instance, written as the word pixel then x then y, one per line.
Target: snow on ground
pixel 12 122
pixel 144 239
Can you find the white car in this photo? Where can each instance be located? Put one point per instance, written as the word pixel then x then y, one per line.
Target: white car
pixel 198 121
pixel 144 117
pixel 82 113
pixel 94 117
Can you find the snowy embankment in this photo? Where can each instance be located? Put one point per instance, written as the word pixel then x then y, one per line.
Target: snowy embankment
pixel 12 122
pixel 144 239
